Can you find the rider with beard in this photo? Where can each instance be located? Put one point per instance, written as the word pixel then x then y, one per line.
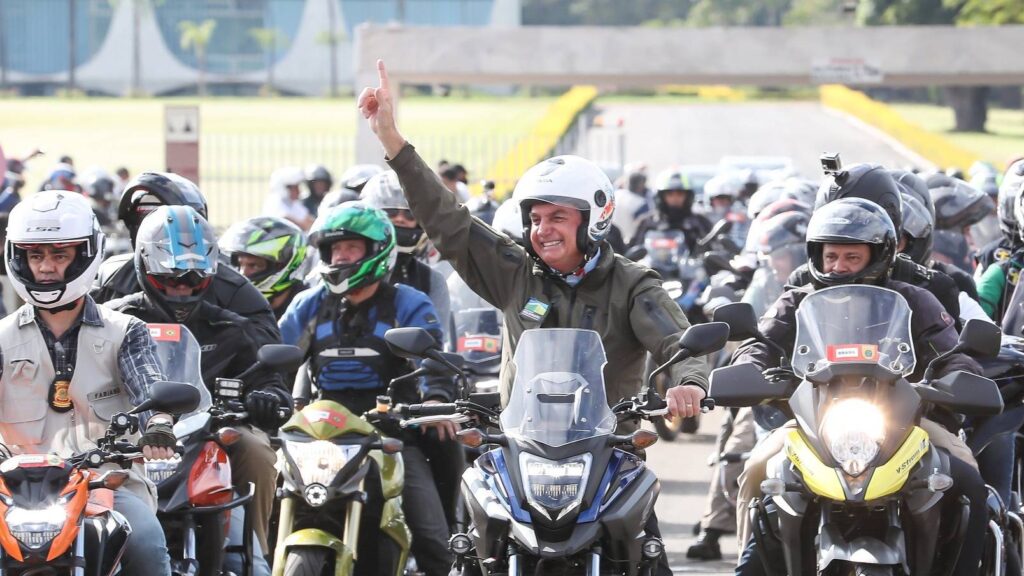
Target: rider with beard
pixel 872 182
pixel 673 202
pixel 229 290
pixel 273 254
pixel 176 259
pixel 341 322
pixel 853 241
pixel 67 365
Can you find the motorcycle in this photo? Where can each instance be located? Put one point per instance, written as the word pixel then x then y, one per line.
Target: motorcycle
pixel 56 514
pixel 857 488
pixel 195 490
pixel 333 463
pixel 557 490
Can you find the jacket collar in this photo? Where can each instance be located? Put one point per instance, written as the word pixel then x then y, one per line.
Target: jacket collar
pixel 90 314
pixel 605 262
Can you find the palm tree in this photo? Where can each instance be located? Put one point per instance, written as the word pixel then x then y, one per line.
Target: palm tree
pixel 196 37
pixel 268 39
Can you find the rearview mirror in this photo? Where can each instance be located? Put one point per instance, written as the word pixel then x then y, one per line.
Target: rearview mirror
pixel 281 357
pixel 410 342
pixel 170 397
pixel 743 385
pixel 715 262
pixel 963 392
pixel 437 368
pixel 980 338
pixel 706 338
pixel 741 320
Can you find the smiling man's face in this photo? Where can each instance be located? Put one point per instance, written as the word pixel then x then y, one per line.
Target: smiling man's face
pixel 553 235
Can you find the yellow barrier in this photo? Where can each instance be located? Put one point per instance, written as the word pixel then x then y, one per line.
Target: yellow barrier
pixel 542 139
pixel 933 147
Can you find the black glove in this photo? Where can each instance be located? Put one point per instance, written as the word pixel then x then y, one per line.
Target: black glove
pixel 159 434
pixel 780 375
pixel 266 410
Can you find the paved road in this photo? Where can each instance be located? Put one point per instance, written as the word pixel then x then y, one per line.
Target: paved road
pixel 661 135
pixel 665 134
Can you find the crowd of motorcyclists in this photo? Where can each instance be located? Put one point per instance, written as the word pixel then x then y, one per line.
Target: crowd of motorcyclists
pixel 332 266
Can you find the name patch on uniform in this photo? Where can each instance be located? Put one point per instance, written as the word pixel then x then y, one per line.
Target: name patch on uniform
pixel 534 310
pixel 102 394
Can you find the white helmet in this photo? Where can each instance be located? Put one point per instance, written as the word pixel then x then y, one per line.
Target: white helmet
pixel 574 182
pixel 284 177
pixel 384 191
pixel 53 217
pixel 508 219
pixel 722 185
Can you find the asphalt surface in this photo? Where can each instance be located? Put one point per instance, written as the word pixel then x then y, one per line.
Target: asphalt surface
pixel 661 135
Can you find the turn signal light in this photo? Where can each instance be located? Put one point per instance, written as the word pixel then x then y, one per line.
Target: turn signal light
pixel 643 438
pixel 228 436
pixel 471 437
pixel 113 479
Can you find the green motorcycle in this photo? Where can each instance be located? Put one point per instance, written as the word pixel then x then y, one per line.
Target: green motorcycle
pixel 342 485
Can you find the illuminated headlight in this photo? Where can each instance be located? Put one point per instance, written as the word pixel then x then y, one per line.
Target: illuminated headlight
pixel 35 528
pixel 319 461
pixel 159 470
pixel 854 430
pixel 554 487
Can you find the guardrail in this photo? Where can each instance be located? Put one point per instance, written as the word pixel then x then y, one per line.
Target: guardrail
pixel 933 147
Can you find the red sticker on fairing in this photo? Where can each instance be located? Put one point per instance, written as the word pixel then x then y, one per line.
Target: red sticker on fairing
pixel 837 353
pixel 664 243
pixel 479 344
pixel 336 419
pixel 165 332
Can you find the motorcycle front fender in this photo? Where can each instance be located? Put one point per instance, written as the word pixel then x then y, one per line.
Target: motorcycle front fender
pixel 314 538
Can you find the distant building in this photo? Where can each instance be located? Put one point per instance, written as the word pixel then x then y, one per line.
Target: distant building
pixel 36 38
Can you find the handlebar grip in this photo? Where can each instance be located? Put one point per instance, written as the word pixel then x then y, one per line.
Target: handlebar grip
pixel 432 409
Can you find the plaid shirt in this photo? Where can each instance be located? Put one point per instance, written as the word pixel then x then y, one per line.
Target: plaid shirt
pixel 136 358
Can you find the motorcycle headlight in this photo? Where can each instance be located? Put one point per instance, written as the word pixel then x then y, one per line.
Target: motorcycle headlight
pixel 554 487
pixel 320 461
pixel 36 528
pixel 854 430
pixel 159 470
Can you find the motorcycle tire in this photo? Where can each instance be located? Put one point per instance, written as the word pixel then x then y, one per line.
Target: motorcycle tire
pixel 303 561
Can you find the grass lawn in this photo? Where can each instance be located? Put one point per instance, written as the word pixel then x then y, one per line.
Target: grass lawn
pixel 243 140
pixel 1003 141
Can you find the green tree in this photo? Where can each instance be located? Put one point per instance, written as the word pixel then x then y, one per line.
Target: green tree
pixel 991 12
pixel 738 13
pixel 269 39
pixel 819 13
pixel 196 37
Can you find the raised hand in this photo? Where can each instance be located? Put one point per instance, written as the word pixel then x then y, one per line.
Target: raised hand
pixel 377 106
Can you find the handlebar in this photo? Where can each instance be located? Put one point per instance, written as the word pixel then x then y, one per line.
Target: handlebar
pixel 430 409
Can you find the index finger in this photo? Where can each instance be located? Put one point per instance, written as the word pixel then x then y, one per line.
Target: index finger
pixel 382 75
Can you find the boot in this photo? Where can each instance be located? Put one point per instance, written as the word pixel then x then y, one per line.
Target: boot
pixel 706 547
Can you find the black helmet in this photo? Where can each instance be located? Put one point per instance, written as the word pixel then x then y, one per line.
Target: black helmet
pixel 911 183
pixel 868 181
pixel 918 225
pixel 670 180
pixel 150 190
pixel 957 203
pixel 851 221
pixel 318 173
pixel 1006 203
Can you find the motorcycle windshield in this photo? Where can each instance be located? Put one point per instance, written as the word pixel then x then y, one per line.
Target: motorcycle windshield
pixel 477 333
pixel 178 354
pixel 558 393
pixel 853 325
pixel 665 248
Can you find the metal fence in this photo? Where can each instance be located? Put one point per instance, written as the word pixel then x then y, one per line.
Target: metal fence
pixel 235 168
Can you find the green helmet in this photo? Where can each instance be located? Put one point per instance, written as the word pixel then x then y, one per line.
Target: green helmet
pixel 282 244
pixel 354 220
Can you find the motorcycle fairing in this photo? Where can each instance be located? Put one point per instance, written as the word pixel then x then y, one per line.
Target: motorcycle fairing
pixel 821 479
pixel 889 477
pixel 325 419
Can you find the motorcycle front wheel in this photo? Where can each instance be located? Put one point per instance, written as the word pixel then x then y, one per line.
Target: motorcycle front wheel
pixel 302 561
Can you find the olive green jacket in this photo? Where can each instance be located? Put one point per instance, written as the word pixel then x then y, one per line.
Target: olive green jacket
pixel 621 300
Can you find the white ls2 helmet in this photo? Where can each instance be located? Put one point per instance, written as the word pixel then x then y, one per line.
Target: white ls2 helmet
pixel 569 181
pixel 59 218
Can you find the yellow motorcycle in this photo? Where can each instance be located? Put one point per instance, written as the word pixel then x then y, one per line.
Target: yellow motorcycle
pixel 856 489
pixel 342 485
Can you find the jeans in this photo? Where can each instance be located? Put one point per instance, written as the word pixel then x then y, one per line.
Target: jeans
pixel 233 562
pixel 146 549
